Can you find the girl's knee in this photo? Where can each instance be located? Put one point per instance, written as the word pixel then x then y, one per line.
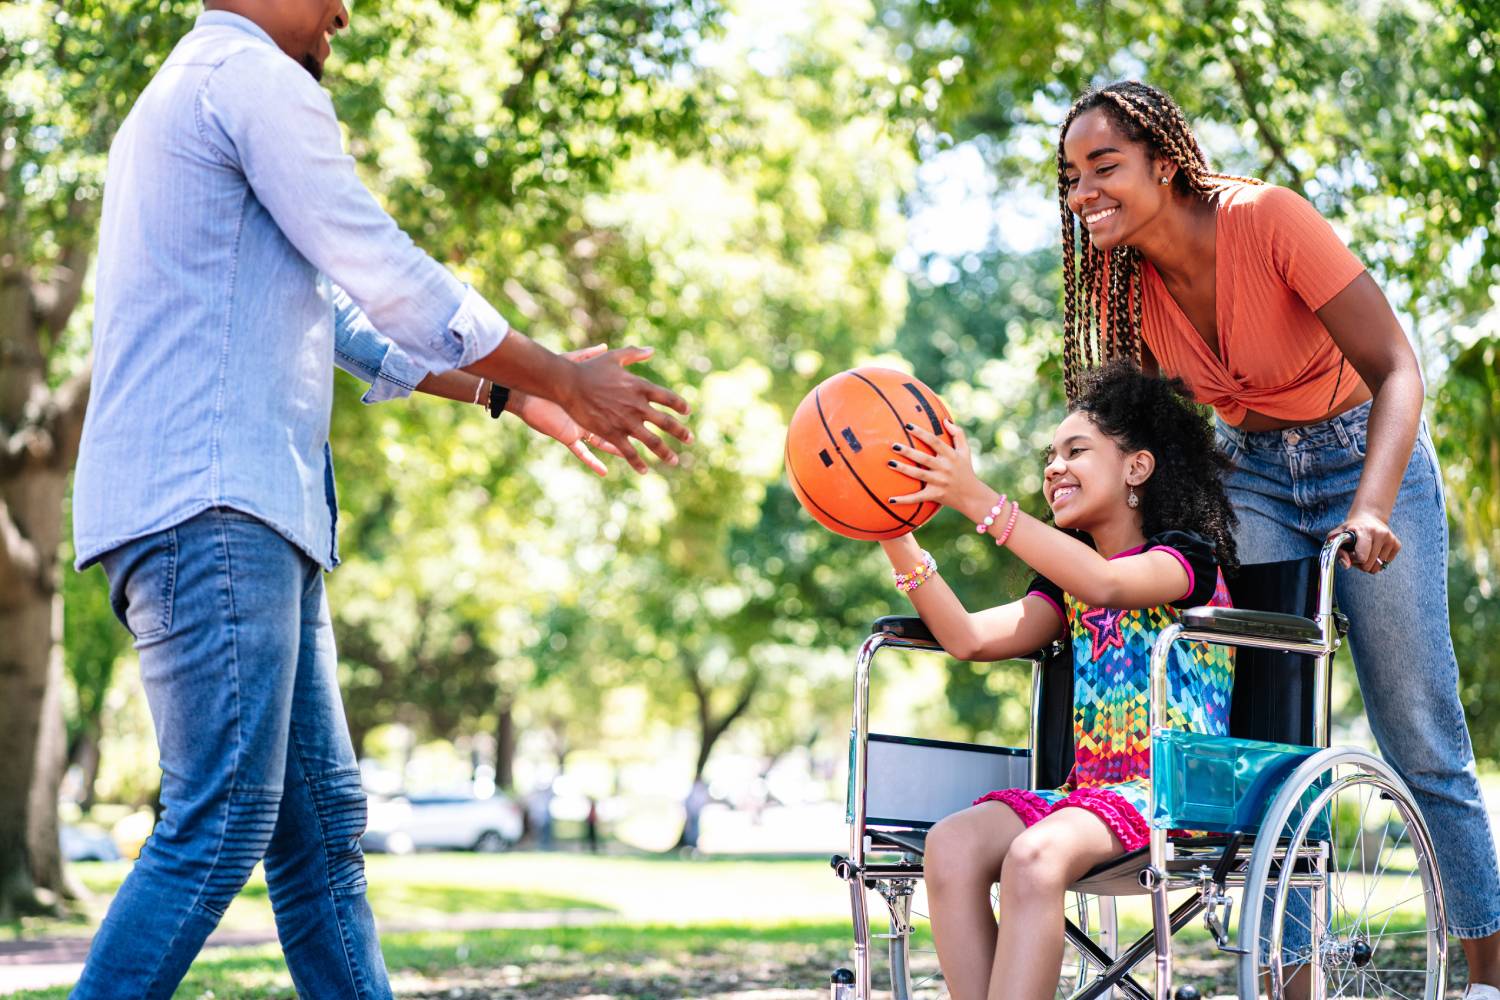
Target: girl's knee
pixel 951 853
pixel 1033 864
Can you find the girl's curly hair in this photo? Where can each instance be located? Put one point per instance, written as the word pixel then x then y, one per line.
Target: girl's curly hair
pixel 1155 414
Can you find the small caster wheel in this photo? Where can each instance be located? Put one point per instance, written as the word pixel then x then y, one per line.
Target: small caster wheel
pixel 1187 993
pixel 841 985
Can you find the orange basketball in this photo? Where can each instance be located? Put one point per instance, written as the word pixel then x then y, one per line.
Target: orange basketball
pixel 839 444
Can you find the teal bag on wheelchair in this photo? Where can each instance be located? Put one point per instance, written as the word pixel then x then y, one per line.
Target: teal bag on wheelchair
pixel 1224 784
pixel 1219 784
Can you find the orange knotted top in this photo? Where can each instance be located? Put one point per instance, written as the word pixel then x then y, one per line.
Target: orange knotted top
pixel 1277 262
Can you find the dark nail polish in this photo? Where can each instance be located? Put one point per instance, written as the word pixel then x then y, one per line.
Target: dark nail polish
pixel 895 447
pixel 910 427
pixel 891 464
pixel 891 500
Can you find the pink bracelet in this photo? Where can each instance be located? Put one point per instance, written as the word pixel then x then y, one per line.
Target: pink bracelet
pixel 1010 525
pixel 989 519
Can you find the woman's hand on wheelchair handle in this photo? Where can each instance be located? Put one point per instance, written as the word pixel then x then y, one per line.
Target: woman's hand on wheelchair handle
pixel 947 475
pixel 1375 544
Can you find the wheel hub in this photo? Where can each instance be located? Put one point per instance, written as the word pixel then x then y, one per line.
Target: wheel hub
pixel 1349 951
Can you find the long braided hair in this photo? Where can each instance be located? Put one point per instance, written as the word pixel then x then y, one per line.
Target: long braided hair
pixel 1102 291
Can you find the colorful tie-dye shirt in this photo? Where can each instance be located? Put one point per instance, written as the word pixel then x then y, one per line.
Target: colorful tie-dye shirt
pixel 1111 685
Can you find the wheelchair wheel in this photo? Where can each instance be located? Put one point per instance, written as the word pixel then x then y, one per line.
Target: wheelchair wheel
pixel 1343 888
pixel 913 958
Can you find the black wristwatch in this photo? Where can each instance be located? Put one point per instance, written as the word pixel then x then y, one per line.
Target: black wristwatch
pixel 499 396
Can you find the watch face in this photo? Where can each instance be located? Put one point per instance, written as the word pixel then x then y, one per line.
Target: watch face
pixel 499 396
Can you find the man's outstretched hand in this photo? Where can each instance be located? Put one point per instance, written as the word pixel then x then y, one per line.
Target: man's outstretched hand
pixel 611 406
pixel 546 417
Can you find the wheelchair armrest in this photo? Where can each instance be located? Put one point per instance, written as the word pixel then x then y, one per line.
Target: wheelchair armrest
pixel 908 627
pixel 1232 622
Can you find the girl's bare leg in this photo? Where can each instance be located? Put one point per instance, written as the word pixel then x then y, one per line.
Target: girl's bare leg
pixel 1034 879
pixel 963 859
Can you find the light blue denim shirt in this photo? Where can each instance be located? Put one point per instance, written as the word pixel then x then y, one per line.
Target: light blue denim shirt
pixel 239 259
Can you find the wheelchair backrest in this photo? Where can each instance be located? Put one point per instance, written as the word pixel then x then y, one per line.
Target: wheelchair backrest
pixel 1273 691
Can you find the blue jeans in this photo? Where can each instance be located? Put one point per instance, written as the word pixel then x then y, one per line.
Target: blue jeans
pixel 237 659
pixel 1289 489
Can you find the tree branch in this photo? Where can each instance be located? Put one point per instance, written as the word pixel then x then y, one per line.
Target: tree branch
pixel 53 301
pixel 1262 127
pixel 533 66
pixel 69 402
pixel 21 563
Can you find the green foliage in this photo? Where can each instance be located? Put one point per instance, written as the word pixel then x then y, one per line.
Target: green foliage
pixel 742 223
pixel 1466 431
pixel 1385 115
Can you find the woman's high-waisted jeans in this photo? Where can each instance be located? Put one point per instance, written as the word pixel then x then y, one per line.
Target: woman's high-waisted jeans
pixel 1289 489
pixel 237 658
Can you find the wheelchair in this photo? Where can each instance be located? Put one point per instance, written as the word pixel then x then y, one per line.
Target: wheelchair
pixel 1337 880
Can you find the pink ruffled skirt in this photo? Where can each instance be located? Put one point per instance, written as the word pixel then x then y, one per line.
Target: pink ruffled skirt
pixel 1123 818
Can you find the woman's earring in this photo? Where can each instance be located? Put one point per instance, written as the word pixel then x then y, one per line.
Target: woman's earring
pixel 1165 181
pixel 1132 501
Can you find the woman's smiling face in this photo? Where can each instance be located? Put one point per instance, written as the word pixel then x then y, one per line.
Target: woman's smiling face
pixel 1114 186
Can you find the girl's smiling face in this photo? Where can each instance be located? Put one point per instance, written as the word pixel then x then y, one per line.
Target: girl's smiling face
pixel 1114 186
pixel 1088 475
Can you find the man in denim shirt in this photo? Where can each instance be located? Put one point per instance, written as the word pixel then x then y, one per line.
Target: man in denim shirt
pixel 240 258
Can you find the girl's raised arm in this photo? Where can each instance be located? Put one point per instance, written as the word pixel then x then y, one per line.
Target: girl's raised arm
pixel 1138 581
pixel 999 633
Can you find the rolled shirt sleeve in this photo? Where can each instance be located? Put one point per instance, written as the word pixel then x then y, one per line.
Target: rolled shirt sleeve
pixel 264 115
pixel 360 350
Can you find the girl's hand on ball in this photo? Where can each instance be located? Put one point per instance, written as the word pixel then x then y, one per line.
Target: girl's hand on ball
pixel 947 474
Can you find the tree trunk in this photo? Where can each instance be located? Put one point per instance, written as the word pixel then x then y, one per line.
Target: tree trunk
pixel 505 745
pixel 43 835
pixel 86 756
pixel 711 728
pixel 39 432
pixel 31 736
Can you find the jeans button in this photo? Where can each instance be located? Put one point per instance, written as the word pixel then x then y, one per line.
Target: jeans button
pixel 1292 437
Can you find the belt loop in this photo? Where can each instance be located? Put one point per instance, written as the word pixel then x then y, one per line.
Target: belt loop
pixel 1343 434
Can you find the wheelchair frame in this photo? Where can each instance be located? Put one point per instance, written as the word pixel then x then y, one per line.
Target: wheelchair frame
pixel 1207 865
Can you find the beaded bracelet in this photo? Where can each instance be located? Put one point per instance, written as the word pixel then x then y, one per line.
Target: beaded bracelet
pixel 907 582
pixel 1010 524
pixel 989 519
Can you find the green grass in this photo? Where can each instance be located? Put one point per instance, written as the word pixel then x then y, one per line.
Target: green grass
pixel 667 928
pixel 640 962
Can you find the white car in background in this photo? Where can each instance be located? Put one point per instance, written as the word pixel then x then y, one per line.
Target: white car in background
pixel 401 824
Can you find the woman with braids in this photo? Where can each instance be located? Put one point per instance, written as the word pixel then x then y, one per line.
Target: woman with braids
pixel 1134 480
pixel 1245 292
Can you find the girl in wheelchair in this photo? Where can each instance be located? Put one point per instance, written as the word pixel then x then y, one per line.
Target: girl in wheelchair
pixel 1142 527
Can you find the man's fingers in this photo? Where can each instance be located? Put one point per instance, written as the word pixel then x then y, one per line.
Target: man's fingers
pixel 587 457
pixel 622 447
pixel 658 447
pixel 671 425
pixel 623 356
pixel 667 398
pixel 585 353
pixel 593 440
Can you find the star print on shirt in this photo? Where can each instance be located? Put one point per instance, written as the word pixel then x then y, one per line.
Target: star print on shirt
pixel 1103 625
